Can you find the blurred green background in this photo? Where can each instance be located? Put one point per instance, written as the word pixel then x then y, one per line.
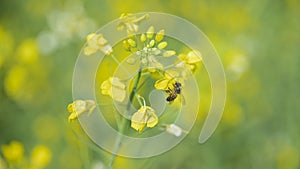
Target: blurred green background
pixel 258 43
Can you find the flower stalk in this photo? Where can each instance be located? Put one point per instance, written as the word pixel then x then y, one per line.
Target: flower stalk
pixel 124 120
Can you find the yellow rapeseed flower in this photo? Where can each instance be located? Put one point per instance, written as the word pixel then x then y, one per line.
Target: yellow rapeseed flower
pixel 145 116
pixel 130 22
pixel 40 156
pixel 80 106
pixel 170 77
pixel 114 88
pixel 190 60
pixel 28 51
pixel 7 45
pixel 15 80
pixel 2 163
pixel 288 157
pixel 97 42
pixel 13 152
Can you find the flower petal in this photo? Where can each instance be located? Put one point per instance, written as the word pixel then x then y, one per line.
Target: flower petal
pixel 194 57
pixel 138 126
pixel 171 74
pixel 70 108
pixel 162 84
pixel 138 120
pixel 79 106
pixel 90 36
pixel 118 94
pixel 101 40
pixel 152 121
pixel 88 50
pixel 116 82
pixel 105 85
pixel 72 116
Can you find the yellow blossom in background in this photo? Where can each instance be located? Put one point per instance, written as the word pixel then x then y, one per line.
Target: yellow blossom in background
pixel 2 163
pixel 189 60
pixel 233 114
pixel 170 77
pixel 7 44
pixel 50 123
pixel 288 157
pixel 114 88
pixel 13 152
pixel 1 60
pixel 80 106
pixel 15 80
pixel 130 22
pixel 145 116
pixel 29 167
pixel 97 42
pixel 28 51
pixel 40 156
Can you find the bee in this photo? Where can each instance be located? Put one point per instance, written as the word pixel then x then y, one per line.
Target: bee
pixel 173 92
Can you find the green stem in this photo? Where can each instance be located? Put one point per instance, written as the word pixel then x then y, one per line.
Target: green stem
pixel 124 120
pixel 133 92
